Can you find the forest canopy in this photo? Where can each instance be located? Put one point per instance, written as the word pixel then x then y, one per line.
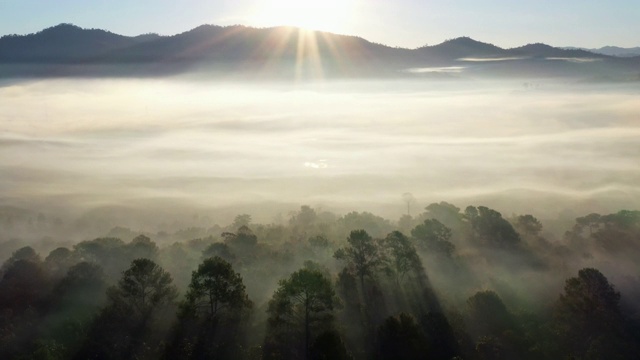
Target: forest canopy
pixel 446 283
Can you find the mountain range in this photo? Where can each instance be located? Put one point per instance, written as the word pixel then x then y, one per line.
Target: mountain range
pixel 68 50
pixel 612 51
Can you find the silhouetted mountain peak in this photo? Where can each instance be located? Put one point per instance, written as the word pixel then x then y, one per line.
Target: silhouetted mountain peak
pixel 63 42
pixel 203 29
pixel 544 50
pixel 463 47
pixel 147 37
pixel 274 49
pixel 535 47
pixel 62 27
pixel 464 41
pixel 617 51
pixel 70 30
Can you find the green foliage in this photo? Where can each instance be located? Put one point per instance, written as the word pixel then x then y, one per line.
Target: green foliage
pixel 109 253
pixel 24 253
pixel 301 307
pixel 401 257
pixel 362 255
pixel 59 260
pixel 143 288
pixel 76 300
pixel 529 225
pixel 304 218
pixel 83 277
pixel 24 285
pixel 369 222
pixel 128 326
pixel 434 236
pixel 591 222
pixel 57 308
pixel 215 287
pixel 444 212
pixel 490 228
pixel 212 321
pixel 488 314
pixel 219 249
pixel 243 238
pixel 142 247
pixel 588 317
pixel 306 294
pixel 619 233
pixel 589 298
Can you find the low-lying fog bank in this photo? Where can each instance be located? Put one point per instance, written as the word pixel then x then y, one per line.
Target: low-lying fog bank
pixel 192 192
pixel 151 152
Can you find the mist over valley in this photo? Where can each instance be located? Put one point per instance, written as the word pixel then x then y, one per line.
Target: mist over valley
pixel 277 193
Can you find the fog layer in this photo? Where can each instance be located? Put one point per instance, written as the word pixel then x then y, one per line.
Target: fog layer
pixel 77 145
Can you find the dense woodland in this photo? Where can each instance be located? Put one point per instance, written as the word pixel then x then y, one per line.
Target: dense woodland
pixel 448 283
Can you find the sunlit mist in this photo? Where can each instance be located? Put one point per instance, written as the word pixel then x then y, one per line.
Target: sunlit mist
pixel 355 144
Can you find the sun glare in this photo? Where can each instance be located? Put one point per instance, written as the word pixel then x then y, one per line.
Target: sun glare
pixel 325 15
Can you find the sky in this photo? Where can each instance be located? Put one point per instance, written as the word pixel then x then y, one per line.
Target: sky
pixel 403 23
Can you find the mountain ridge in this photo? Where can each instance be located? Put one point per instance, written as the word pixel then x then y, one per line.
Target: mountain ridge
pixel 616 51
pixel 276 49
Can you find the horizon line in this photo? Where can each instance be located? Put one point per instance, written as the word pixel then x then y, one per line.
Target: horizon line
pixel 568 47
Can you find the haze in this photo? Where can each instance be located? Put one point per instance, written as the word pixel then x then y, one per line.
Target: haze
pixel 78 145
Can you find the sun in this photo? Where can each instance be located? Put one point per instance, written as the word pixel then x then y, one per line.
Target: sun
pixel 324 15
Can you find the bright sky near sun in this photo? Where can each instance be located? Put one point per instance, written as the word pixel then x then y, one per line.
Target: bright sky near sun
pixel 405 23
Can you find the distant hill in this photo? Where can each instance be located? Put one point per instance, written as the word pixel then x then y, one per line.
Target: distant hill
pixel 614 51
pixel 63 43
pixel 68 50
pixel 459 48
pixel 544 50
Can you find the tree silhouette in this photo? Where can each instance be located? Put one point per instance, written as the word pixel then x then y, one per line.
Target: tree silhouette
pixel 588 317
pixel 446 213
pixel 490 228
pixel 401 256
pixel 110 253
pixel 529 225
pixel 24 253
pixel 23 286
pixel 304 218
pixel 440 338
pixel 59 261
pixel 219 249
pixel 76 300
pixel 143 288
pixel 319 241
pixel 434 236
pixel 401 338
pixel 124 328
pixel 488 314
pixel 241 220
pixel 214 287
pixel 302 304
pixel 142 247
pixel 214 301
pixel 244 238
pixel 362 254
pixel 329 346
pixel 408 199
